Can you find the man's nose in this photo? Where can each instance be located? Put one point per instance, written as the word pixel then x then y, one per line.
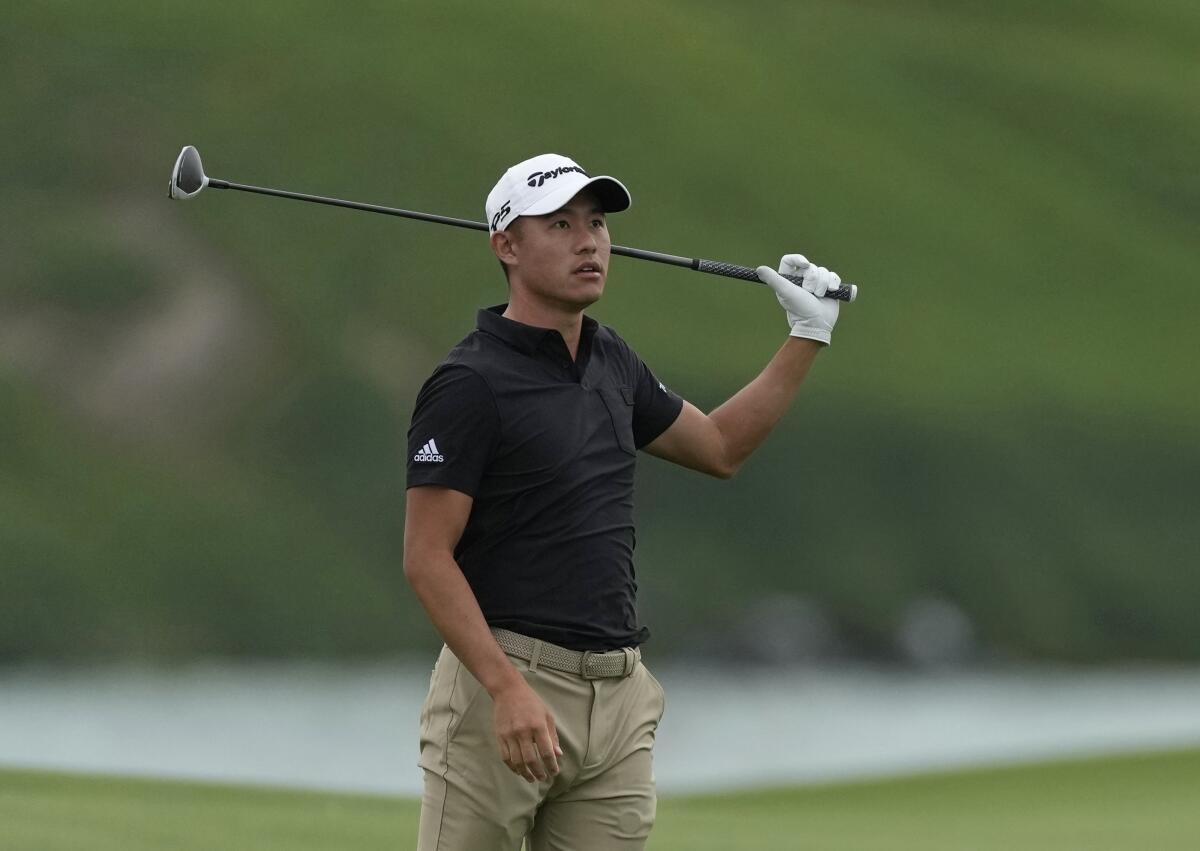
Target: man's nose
pixel 587 243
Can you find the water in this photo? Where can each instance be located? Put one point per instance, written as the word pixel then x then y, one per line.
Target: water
pixel 354 727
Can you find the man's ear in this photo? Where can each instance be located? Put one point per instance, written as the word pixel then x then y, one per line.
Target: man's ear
pixel 502 247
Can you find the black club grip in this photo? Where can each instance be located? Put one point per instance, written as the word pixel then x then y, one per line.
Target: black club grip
pixel 846 292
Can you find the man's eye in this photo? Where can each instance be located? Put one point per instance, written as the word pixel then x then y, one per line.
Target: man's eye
pixel 598 223
pixel 560 224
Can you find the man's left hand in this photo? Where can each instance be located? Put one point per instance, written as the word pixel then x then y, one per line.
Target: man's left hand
pixel 809 315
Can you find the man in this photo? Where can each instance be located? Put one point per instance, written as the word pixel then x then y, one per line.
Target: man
pixel 519 537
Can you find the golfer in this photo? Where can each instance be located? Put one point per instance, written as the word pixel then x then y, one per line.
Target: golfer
pixel 519 536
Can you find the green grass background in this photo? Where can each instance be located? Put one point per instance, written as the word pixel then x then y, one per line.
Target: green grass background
pixel 1007 419
pixel 1117 803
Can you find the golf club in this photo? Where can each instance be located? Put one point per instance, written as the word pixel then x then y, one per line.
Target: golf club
pixel 188 180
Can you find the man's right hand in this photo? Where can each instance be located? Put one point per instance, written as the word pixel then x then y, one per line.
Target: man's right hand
pixel 526 732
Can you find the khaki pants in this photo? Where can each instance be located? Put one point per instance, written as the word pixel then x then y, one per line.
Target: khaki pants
pixel 603 797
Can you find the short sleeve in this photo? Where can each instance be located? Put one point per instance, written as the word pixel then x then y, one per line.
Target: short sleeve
pixel 655 407
pixel 455 427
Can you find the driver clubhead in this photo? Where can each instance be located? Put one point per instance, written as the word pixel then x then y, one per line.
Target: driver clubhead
pixel 187 178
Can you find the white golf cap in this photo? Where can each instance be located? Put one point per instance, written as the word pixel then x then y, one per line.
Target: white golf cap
pixel 545 183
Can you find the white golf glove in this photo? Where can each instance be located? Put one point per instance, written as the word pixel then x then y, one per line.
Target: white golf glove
pixel 809 315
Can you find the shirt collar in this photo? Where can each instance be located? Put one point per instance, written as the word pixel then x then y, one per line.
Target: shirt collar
pixel 529 338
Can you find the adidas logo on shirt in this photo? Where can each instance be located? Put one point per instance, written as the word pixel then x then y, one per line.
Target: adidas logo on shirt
pixel 429 453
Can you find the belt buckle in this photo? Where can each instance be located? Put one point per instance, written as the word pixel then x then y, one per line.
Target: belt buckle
pixel 583 666
pixel 629 665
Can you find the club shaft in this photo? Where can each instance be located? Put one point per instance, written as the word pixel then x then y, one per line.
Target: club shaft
pixel 846 292
pixel 213 183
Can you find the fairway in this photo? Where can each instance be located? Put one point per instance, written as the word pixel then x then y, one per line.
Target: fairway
pixel 1144 801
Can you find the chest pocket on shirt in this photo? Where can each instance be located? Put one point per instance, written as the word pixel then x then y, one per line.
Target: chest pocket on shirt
pixel 619 402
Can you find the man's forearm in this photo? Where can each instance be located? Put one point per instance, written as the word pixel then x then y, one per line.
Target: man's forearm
pixel 451 605
pixel 746 419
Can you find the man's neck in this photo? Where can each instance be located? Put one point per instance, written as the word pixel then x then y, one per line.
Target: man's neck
pixel 568 323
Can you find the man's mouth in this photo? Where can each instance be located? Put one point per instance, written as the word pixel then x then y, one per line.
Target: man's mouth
pixel 589 268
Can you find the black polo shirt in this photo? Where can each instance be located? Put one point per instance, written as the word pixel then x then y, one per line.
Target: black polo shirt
pixel 547 448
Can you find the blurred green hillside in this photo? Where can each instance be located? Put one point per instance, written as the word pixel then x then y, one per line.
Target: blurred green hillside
pixel 203 405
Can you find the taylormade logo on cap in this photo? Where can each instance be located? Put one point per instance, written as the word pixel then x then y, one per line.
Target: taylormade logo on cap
pixel 539 177
pixel 546 183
